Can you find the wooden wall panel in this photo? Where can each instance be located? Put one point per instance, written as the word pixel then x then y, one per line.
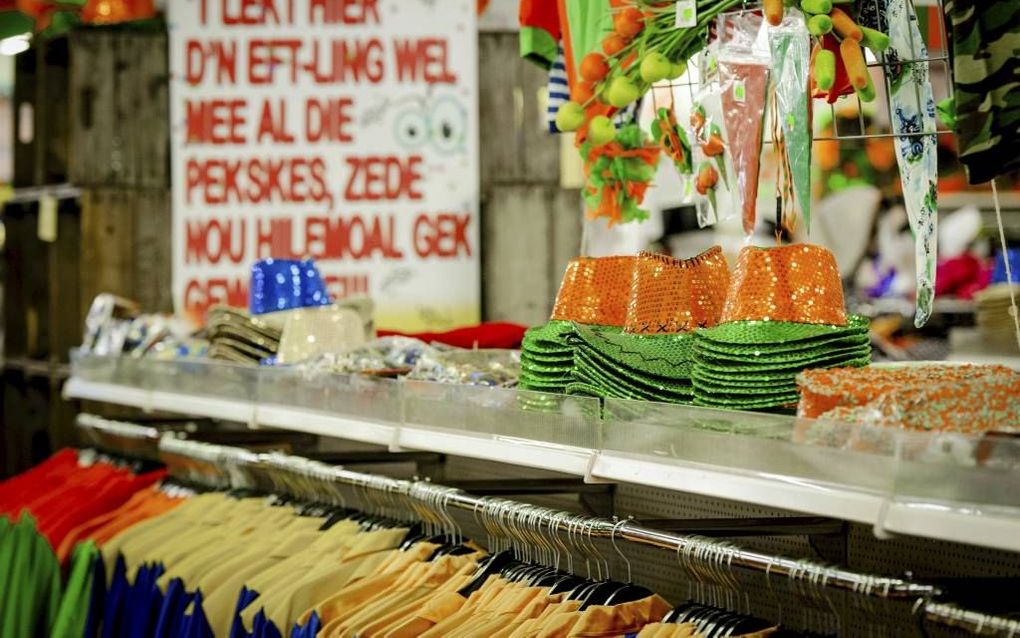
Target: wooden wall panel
pixel 152 251
pixel 515 147
pixel 530 226
pixel 119 108
pixel 107 233
pixel 515 281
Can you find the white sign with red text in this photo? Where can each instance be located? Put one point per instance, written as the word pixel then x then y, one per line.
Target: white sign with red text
pixel 341 130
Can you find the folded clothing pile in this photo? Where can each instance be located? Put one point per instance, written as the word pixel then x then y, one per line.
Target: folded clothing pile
pixel 993 318
pixel 943 397
pixel 236 336
pixel 784 314
pixel 652 357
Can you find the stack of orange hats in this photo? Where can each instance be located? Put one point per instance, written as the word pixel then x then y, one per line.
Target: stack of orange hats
pixel 784 314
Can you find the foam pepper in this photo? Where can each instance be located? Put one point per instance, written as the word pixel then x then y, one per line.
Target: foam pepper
pixel 619 173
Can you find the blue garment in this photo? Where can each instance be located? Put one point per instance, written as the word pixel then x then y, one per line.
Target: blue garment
pixel 310 629
pixel 313 626
pixel 245 598
pixel 196 625
pixel 264 628
pixel 171 613
pixel 558 90
pixel 115 600
pixel 97 600
pixel 144 600
pixel 999 273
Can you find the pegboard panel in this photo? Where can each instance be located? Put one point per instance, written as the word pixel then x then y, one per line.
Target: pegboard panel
pixel 926 558
pixel 641 501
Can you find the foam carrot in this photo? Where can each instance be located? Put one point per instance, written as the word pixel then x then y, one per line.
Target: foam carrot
pixel 774 12
pixel 845 25
pixel 853 58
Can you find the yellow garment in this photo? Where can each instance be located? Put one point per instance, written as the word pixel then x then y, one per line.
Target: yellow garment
pixel 668 630
pixel 284 601
pixel 612 620
pixel 426 578
pixel 193 507
pixel 501 611
pixel 483 601
pixel 219 605
pixel 429 615
pixel 553 613
pixel 344 600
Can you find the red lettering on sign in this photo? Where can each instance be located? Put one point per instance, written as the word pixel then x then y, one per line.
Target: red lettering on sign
pixel 443 235
pixel 343 61
pixel 254 181
pixel 424 59
pixel 221 55
pixel 248 12
pixel 343 11
pixel 273 123
pixel 202 294
pixel 208 241
pixel 265 57
pixel 216 121
pixel 383 178
pixel 328 120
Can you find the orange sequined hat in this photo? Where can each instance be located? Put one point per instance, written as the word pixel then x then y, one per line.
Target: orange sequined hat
pixel 595 290
pixel 672 295
pixel 798 283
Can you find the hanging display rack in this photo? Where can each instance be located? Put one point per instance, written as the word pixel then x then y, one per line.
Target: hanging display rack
pixel 850 103
pixel 225 466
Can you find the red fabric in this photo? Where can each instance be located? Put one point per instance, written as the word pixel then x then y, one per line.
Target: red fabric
pixel 543 14
pixel 487 335
pixel 62 496
pixel 961 276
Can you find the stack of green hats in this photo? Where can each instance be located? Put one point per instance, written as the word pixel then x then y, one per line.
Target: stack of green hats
pixel 610 363
pixel 652 357
pixel 547 358
pixel 784 314
pixel 754 364
pixel 589 295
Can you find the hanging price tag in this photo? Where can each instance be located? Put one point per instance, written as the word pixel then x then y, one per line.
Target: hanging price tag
pixel 47 226
pixel 686 14
pixel 739 91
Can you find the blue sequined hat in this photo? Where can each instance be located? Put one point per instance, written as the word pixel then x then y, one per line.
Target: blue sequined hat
pixel 282 284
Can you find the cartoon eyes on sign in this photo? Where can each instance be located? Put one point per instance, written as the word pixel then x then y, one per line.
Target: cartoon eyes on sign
pixel 440 122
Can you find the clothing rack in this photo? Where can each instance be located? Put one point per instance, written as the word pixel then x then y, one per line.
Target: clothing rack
pixel 513 523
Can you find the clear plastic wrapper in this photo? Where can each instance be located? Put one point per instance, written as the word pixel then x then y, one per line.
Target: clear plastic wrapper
pixel 710 151
pixel 488 367
pixel 743 79
pixel 386 356
pixel 108 324
pixel 790 46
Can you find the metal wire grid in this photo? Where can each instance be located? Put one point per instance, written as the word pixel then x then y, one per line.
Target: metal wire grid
pixel 696 69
